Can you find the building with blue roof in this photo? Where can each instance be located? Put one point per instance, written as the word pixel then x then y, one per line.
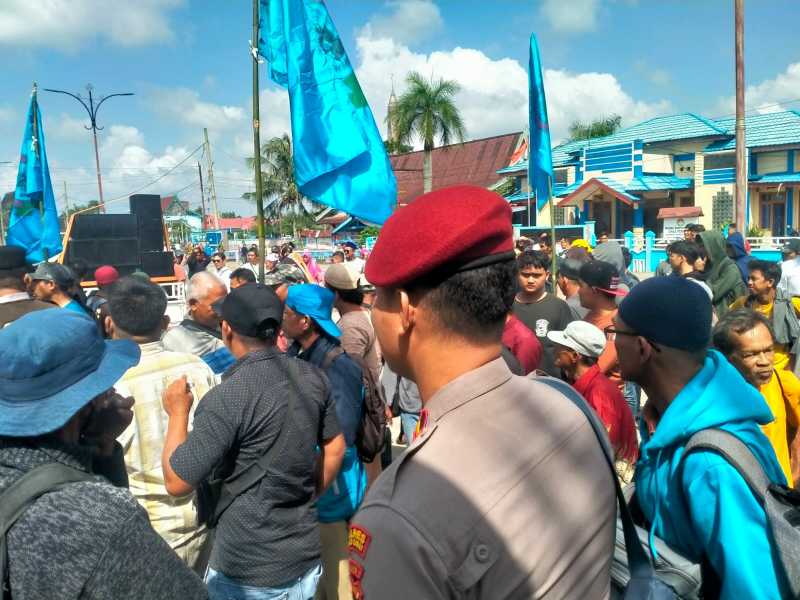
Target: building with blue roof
pixel 622 181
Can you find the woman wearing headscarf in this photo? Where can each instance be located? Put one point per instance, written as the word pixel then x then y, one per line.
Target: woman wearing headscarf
pixel 723 276
pixel 738 253
pixel 313 268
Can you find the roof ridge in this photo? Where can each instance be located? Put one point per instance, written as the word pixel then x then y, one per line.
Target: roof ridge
pixel 709 122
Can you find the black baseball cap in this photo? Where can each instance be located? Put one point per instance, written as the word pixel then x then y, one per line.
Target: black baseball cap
pixel 602 276
pixel 250 309
pixel 791 246
pixel 570 268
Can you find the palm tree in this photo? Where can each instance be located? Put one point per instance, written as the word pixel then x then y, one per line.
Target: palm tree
pixel 278 186
pixel 427 110
pixel 598 128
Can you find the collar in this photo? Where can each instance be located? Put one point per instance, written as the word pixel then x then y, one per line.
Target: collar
pixel 316 352
pixel 151 348
pixel 14 297
pixel 584 382
pixel 467 387
pixel 249 359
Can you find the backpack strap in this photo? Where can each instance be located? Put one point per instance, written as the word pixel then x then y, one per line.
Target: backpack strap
pixel 330 356
pixel 21 495
pixel 639 564
pixel 736 453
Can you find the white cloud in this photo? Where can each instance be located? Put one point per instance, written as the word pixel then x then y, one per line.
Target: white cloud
pixel 768 96
pixel 409 21
pixel 494 93
pixel 68 128
pixel 184 105
pixel 570 16
pixel 653 74
pixel 67 24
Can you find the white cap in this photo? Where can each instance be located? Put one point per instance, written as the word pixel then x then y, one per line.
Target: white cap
pixel 583 337
pixel 272 257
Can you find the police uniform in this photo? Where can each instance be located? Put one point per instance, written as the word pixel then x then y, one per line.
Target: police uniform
pixel 506 492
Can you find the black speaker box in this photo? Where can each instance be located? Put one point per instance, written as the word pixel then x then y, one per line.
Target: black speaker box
pixel 157 264
pixel 123 252
pixel 146 205
pixel 92 227
pixel 151 235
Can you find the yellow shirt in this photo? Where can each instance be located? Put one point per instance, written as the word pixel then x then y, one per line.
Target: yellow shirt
pixel 782 356
pixel 785 407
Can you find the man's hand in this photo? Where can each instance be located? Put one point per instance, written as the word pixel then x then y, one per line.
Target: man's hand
pixel 178 398
pixel 111 414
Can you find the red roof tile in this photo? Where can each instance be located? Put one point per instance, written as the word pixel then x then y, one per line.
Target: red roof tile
pixel 243 223
pixel 474 163
pixel 680 212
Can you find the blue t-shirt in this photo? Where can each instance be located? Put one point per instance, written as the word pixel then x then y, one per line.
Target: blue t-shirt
pixel 75 306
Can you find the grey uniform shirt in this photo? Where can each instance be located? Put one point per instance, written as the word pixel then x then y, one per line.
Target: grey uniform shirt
pixel 506 494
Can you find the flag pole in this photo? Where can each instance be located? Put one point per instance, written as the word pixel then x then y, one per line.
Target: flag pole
pixel 35 127
pixel 257 148
pixel 529 176
pixel 553 262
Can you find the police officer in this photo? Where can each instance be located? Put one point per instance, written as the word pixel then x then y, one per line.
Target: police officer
pixel 505 493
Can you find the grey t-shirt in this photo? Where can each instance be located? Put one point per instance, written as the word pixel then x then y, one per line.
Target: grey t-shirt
pixel 269 535
pixel 548 314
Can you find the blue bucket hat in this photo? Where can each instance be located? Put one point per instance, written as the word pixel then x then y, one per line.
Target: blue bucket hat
pixel 316 302
pixel 52 363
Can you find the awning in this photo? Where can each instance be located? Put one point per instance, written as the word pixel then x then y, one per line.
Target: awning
pixel 591 186
pixel 679 212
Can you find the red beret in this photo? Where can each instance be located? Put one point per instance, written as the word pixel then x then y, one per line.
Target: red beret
pixel 452 229
pixel 105 275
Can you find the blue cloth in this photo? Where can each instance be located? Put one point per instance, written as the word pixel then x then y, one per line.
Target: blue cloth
pixel 221 587
pixel 724 522
pixel 341 500
pixel 75 306
pixel 339 156
pixel 314 301
pixel 740 255
pixel 408 422
pixel 540 162
pixel 219 360
pixel 33 223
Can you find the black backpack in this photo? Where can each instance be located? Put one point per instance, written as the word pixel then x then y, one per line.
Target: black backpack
pixel 21 495
pixel 371 433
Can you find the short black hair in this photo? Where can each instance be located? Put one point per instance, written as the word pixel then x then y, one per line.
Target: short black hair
pixel 545 239
pixel 338 253
pixel 136 306
pixel 80 267
pixel 770 270
pixel 627 257
pixel 254 250
pixel 355 296
pixel 695 228
pixel 737 322
pixel 219 255
pixel 533 258
pixel 13 278
pixel 473 304
pixel 686 249
pixel 243 274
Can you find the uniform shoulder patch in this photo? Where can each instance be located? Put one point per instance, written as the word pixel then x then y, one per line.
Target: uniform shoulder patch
pixel 358 540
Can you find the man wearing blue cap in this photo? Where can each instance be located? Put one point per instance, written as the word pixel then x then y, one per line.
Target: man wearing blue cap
pixel 307 320
pixel 700 506
pixel 60 417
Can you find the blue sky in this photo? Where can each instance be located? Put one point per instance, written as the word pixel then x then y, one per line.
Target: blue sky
pixel 187 63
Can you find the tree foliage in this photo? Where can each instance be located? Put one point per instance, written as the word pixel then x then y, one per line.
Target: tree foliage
pixel 427 110
pixel 74 208
pixel 597 128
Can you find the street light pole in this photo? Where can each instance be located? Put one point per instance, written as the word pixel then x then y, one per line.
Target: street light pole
pixel 92 109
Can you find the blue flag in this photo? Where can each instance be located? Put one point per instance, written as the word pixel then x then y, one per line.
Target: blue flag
pixel 540 159
pixel 34 218
pixel 339 157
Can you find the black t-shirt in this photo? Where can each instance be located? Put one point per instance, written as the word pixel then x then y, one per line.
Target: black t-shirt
pixel 269 535
pixel 548 314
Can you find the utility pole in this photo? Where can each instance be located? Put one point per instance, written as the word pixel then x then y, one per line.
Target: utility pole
pixel 257 147
pixel 212 188
pixel 202 196
pixel 66 200
pixel 92 109
pixel 741 150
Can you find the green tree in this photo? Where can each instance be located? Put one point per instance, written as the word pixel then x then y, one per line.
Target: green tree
pixel 279 189
pixel 228 214
pixel 597 128
pixel 81 208
pixel 368 231
pixel 393 147
pixel 427 110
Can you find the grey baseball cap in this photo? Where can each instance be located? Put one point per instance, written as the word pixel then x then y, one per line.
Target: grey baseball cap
pixel 62 276
pixel 583 337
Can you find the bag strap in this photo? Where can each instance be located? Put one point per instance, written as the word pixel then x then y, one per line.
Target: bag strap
pixel 257 470
pixel 330 356
pixel 21 495
pixel 738 455
pixel 638 562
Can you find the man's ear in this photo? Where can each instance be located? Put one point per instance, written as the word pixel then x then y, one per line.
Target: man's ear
pixel 227 332
pixel 110 327
pixel 165 322
pixel 408 311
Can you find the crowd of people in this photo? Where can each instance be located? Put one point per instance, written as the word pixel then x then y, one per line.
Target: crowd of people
pixel 234 454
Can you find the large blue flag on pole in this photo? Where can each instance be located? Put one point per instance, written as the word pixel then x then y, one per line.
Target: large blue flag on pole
pixel 339 156
pixel 540 159
pixel 34 218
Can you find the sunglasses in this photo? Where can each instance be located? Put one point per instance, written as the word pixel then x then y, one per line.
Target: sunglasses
pixel 609 331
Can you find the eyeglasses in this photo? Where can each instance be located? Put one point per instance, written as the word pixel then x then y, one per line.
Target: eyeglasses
pixel 611 331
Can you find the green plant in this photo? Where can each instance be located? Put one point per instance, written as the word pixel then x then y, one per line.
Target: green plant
pixel 369 231
pixel 755 231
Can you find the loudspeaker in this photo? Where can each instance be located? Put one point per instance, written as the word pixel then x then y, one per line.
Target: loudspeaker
pixel 92 227
pixel 122 252
pixel 157 264
pixel 151 234
pixel 146 205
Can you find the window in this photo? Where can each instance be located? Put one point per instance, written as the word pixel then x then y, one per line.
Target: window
pixel 560 176
pixel 721 209
pixel 723 160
